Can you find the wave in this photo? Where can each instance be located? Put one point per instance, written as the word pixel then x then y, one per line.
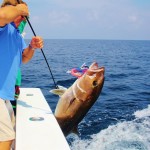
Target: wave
pixel 127 135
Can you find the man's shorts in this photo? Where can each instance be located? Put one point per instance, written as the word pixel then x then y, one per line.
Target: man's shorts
pixel 7 121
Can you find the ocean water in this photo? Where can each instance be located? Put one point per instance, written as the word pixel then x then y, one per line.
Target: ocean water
pixel 120 118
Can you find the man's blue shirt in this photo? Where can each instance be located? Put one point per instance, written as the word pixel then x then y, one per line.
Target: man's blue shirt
pixel 11 48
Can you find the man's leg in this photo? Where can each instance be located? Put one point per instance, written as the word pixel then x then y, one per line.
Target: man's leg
pixel 7 133
pixel 5 145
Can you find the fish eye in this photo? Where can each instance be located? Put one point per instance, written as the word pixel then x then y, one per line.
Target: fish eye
pixel 95 83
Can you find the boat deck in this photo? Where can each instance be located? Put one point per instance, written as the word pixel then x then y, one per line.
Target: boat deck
pixel 36 126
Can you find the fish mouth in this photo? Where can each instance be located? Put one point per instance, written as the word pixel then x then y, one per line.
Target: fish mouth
pixel 95 68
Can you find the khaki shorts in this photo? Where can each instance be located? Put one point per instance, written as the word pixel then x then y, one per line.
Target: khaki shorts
pixel 7 121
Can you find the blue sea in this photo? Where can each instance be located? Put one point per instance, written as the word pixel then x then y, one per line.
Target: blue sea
pixel 120 118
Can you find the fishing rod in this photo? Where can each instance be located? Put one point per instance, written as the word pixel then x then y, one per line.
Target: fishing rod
pixel 41 50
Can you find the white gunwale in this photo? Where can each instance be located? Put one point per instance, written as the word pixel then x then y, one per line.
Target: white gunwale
pixel 37 135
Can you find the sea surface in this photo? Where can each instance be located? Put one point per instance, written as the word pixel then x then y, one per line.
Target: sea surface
pixel 120 118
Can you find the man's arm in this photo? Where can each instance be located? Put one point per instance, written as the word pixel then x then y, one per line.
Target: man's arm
pixel 10 13
pixel 36 42
pixel 27 54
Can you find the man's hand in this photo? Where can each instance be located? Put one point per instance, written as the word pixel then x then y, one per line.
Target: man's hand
pixel 23 9
pixel 36 42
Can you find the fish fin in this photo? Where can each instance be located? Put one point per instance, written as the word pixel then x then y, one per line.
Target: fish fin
pixel 75 131
pixel 60 91
pixel 62 87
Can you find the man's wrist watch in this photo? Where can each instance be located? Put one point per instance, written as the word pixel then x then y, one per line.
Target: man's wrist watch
pixel 31 47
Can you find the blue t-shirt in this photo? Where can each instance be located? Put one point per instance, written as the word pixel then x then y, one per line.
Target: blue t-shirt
pixel 11 48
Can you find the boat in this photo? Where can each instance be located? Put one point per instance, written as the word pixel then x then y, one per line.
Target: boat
pixel 36 126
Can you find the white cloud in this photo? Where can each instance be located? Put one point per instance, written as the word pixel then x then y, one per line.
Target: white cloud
pixel 133 18
pixel 35 19
pixel 58 17
pixel 92 17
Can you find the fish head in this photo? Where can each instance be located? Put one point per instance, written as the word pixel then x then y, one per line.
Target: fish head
pixel 91 82
pixel 95 74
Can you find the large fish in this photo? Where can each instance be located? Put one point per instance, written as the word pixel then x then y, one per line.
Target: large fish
pixel 75 102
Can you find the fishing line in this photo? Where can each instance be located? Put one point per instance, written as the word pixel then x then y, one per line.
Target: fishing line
pixel 41 50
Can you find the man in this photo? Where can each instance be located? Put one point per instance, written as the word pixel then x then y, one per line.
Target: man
pixel 13 51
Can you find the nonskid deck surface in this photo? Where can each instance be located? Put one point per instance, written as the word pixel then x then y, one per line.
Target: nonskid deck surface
pixel 36 126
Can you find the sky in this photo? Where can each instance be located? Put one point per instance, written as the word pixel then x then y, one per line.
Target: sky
pixel 90 19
